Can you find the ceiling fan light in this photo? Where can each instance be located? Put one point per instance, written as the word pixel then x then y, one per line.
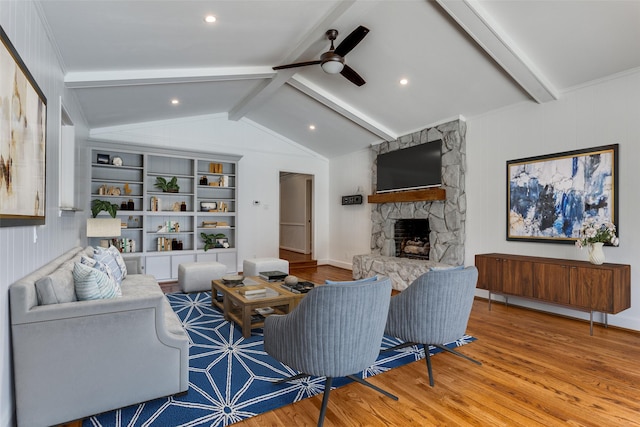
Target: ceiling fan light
pixel 332 67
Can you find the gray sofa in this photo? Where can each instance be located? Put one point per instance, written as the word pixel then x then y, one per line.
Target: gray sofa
pixel 80 358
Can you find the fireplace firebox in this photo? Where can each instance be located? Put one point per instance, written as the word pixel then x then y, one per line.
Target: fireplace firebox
pixel 412 238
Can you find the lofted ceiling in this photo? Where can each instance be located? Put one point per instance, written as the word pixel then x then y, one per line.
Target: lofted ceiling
pixel 126 60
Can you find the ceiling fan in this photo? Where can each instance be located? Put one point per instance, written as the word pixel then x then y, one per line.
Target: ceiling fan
pixel 332 61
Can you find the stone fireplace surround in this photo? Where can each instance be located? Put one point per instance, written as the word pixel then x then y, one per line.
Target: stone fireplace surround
pixel 446 218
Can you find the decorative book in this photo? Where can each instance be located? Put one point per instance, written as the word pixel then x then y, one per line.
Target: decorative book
pixel 272 276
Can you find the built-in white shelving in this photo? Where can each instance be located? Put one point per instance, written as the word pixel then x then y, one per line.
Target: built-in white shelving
pixel 166 226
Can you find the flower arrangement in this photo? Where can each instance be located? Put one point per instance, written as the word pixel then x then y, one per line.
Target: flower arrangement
pixel 594 231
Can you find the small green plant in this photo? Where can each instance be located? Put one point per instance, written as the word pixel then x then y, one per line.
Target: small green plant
pixel 210 240
pixel 170 186
pixel 103 205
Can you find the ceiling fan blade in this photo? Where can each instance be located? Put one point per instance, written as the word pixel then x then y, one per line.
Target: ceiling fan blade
pixel 351 40
pixel 297 64
pixel 352 76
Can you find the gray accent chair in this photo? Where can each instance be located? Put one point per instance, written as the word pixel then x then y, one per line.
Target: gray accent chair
pixel 433 310
pixel 335 331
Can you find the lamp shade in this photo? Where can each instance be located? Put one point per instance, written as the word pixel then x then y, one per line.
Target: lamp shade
pixel 103 227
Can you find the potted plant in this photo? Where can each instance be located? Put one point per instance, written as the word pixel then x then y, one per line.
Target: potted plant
pixel 210 240
pixel 103 205
pixel 170 186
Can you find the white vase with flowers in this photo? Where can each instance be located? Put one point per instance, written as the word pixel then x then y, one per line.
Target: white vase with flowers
pixel 594 234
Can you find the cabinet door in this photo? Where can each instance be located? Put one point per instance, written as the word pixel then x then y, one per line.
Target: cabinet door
pixel 551 282
pixel 159 266
pixel 489 273
pixel 592 288
pixel 228 259
pixel 176 260
pixel 517 277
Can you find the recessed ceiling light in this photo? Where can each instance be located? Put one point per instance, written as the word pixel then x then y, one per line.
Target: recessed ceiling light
pixel 210 19
pixel 404 82
pixel 175 101
pixel 312 127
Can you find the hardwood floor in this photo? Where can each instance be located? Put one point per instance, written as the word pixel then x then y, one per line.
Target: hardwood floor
pixel 538 370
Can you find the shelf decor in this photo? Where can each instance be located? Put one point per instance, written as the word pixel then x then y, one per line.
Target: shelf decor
pixel 23 145
pixel 549 197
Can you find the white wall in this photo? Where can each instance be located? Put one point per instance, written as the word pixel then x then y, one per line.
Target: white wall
pixel 19 253
pixel 264 155
pixel 600 114
pixel 350 229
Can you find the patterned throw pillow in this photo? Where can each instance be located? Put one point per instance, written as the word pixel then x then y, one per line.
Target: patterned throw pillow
pixel 101 266
pixel 118 257
pixel 92 284
pixel 106 257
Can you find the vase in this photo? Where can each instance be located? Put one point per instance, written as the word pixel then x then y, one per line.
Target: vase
pixel 596 254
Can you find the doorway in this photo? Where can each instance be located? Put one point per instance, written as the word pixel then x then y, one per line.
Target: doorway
pixel 296 216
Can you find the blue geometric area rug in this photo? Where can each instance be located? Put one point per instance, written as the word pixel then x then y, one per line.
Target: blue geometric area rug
pixel 231 377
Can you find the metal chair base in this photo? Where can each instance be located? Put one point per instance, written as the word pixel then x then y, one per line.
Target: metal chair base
pixel 327 390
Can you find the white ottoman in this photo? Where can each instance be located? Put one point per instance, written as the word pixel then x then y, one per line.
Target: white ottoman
pixel 197 276
pixel 255 266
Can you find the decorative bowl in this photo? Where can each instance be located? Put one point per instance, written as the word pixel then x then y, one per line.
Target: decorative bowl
pixel 291 280
pixel 232 279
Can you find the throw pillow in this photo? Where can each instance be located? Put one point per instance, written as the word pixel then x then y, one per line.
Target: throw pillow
pixel 100 266
pixel 56 287
pixel 365 280
pixel 118 257
pixel 105 256
pixel 92 284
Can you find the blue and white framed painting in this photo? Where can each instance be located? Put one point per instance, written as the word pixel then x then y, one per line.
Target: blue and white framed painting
pixel 550 196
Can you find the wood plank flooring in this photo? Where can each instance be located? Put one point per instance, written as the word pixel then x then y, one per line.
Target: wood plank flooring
pixel 538 370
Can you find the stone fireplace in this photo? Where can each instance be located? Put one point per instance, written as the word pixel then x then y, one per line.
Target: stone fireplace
pixel 446 218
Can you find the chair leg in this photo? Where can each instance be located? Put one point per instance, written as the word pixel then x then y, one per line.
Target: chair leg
pixel 325 400
pixel 398 347
pixel 427 356
pixel 376 388
pixel 294 377
pixel 458 354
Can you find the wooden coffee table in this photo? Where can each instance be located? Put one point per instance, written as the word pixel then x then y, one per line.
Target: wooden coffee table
pixel 238 308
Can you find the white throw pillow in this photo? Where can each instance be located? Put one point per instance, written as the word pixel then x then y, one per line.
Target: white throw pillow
pixel 93 284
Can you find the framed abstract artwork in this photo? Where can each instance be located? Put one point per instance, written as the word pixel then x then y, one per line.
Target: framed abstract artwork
pixel 550 196
pixel 23 117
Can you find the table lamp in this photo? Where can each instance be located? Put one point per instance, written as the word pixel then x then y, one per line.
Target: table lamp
pixel 104 227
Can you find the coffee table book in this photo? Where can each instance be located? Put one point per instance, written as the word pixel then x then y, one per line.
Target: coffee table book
pixel 272 276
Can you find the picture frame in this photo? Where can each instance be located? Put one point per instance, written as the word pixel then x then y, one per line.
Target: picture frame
pixel 103 159
pixel 23 146
pixel 550 196
pixel 221 241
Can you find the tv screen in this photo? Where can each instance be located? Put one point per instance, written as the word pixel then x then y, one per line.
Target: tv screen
pixel 410 168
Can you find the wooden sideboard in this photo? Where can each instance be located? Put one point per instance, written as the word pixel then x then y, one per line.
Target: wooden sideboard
pixel 578 285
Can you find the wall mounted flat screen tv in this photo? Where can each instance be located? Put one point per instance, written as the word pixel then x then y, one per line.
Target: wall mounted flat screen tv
pixel 410 168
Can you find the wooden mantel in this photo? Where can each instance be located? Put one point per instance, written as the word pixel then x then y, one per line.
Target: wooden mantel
pixel 424 195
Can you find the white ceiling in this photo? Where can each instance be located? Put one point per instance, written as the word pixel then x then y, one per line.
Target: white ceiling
pixel 126 60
